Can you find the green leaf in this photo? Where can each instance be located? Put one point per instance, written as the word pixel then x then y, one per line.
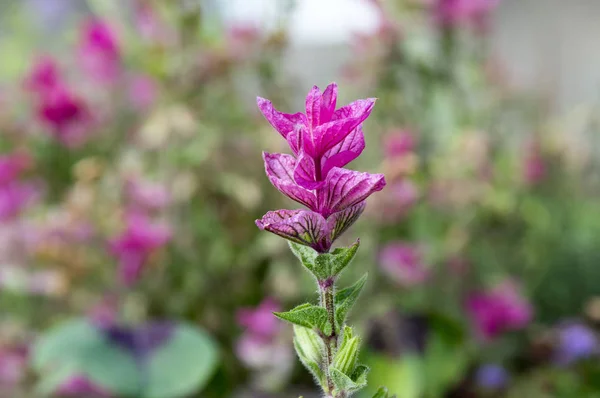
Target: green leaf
pixel 310 348
pixel 309 316
pixel 183 365
pixel 383 393
pixel 347 355
pixel 344 383
pixel 306 255
pixel 345 299
pixel 326 265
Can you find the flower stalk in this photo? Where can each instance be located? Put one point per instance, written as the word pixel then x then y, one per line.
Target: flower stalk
pixel 323 140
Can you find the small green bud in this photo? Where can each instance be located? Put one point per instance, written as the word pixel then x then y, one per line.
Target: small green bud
pixel 347 355
pixel 308 344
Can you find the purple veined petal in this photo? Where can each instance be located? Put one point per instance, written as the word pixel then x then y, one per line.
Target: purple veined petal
pixel 328 103
pixel 345 188
pixel 346 151
pixel 300 226
pixel 358 109
pixel 280 170
pixel 305 175
pixel 284 123
pixel 295 138
pixel 328 135
pixel 339 222
pixel 313 107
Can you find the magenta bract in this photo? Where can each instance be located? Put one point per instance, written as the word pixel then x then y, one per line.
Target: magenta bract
pixel 322 140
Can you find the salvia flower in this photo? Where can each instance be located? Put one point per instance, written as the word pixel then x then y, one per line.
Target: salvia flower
pixel 575 342
pixel 99 51
pixel 403 263
pixel 491 377
pixel 323 140
pixel 501 309
pixel 260 320
pixel 134 246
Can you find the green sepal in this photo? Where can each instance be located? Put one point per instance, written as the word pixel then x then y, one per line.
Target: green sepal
pixel 349 384
pixel 308 315
pixel 347 355
pixel 383 393
pixel 310 348
pixel 345 299
pixel 326 265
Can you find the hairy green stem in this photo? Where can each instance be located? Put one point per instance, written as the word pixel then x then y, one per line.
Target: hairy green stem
pixel 327 290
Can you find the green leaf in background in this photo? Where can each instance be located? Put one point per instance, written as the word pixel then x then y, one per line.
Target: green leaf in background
pixel 345 299
pixel 403 376
pixel 383 393
pixel 183 365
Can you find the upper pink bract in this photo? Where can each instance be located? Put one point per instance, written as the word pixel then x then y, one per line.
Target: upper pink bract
pixel 323 140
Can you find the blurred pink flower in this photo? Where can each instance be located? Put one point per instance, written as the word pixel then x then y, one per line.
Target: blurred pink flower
pixel 398 143
pixel 260 321
pixel 149 24
pixel 534 165
pixel 13 366
pixel 498 310
pixel 15 195
pixel 146 194
pixel 143 91
pixel 44 75
pixel 78 386
pixel 99 52
pixel 240 40
pixel 464 12
pixel 66 114
pixel 257 353
pixel 398 199
pixel 133 247
pixel 403 263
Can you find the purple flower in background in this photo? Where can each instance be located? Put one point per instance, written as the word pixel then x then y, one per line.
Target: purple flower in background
pixel 491 377
pixel 15 195
pixel 534 165
pixel 66 114
pixel 143 91
pixel 399 143
pixel 575 341
pixel 260 320
pixel 403 263
pixel 44 76
pixel 399 197
pixel 134 246
pixel 81 386
pixel 464 12
pixel 501 309
pixel 146 194
pixel 323 140
pixel 13 365
pixel 99 52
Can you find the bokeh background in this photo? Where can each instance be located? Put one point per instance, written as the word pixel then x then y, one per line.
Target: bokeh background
pixel 131 176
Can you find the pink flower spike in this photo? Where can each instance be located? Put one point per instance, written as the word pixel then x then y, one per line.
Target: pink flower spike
pixel 501 309
pixel 260 320
pixel 403 263
pixel 133 247
pixel 99 51
pixel 284 123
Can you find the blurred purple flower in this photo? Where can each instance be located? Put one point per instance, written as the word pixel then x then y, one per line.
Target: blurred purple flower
pixel 534 165
pixel 99 52
pixel 13 366
pixel 501 309
pixel 81 386
pixel 403 263
pixel 15 195
pixel 66 114
pixel 134 246
pixel 323 140
pixel 143 91
pixel 260 321
pixel 464 12
pixel 44 76
pixel 576 341
pixel 398 199
pixel 146 194
pixel 491 377
pixel 398 143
